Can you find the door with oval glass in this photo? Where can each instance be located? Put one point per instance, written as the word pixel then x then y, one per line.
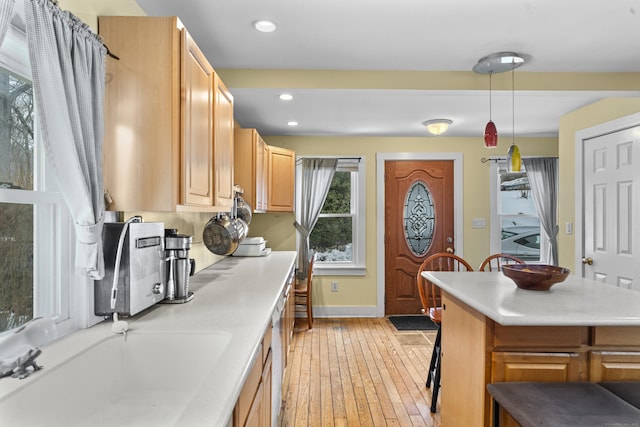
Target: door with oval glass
pixel 419 222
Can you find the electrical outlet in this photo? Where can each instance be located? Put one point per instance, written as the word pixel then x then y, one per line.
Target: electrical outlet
pixel 334 286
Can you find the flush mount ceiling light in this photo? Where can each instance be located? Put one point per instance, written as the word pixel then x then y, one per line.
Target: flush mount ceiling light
pixel 264 26
pixel 437 126
pixel 286 97
pixel 490 64
pixel 292 123
pixel 498 63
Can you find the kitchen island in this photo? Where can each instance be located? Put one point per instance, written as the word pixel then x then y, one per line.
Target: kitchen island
pixel 233 304
pixel 579 330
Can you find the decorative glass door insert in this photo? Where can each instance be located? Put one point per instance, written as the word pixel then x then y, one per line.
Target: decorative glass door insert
pixel 419 218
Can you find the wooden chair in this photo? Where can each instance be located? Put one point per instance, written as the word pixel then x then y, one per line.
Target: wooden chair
pixel 302 294
pixel 496 261
pixel 431 306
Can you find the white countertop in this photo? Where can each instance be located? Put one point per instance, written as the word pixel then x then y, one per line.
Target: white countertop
pixel 574 302
pixel 237 295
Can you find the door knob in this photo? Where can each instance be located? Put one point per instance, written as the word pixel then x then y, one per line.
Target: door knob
pixel 587 260
pixel 450 250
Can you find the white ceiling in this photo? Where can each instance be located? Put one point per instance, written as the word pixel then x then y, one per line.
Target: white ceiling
pixel 412 35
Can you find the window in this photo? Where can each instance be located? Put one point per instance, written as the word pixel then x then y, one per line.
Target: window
pixel 34 223
pixel 515 225
pixel 339 234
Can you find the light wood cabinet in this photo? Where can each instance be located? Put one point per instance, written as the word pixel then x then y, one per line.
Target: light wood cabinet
pixel 538 366
pixel 168 141
pixel 223 156
pixel 615 366
pixel 250 166
pixel 280 182
pixel 197 78
pixel 253 408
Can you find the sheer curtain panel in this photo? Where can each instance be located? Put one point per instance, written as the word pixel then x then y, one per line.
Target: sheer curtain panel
pixel 317 174
pixel 6 12
pixel 543 179
pixel 67 62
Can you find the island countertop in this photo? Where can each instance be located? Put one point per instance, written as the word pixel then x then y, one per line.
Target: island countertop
pixel 574 302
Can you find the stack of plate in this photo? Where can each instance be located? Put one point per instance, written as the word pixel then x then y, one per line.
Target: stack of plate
pixel 252 246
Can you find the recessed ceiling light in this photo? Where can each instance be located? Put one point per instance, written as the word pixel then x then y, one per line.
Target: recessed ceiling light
pixel 286 97
pixel 264 26
pixel 292 123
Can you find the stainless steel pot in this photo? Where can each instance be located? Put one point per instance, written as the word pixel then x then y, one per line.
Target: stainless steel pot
pixel 222 234
pixel 243 210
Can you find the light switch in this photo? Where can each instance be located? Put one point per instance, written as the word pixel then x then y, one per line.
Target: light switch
pixel 478 223
pixel 568 228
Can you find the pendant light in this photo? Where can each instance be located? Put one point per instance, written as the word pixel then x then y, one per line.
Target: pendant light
pixel 514 161
pixel 490 64
pixel 490 131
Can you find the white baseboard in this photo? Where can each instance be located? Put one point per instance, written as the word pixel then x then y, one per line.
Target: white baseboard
pixel 339 311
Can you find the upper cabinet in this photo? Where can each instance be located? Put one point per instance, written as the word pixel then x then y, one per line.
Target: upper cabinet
pixel 280 183
pixel 265 173
pixel 251 162
pixel 168 120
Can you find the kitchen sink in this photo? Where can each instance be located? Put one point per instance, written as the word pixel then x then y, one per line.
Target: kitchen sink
pixel 149 379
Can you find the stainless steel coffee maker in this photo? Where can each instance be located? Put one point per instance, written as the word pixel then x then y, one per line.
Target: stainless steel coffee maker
pixel 179 266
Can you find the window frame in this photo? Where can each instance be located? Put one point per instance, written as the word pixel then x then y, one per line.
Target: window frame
pixel 496 229
pixel 357 265
pixel 59 291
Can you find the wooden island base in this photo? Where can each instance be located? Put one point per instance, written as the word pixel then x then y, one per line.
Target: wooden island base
pixel 477 351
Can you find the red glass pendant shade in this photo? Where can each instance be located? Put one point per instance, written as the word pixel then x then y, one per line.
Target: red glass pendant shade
pixel 490 135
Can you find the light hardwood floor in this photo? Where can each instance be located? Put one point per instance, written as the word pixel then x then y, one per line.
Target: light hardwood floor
pixel 358 372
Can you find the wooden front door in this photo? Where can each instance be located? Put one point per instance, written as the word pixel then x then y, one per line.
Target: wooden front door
pixel 419 222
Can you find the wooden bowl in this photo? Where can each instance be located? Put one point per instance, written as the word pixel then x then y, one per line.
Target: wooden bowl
pixel 535 277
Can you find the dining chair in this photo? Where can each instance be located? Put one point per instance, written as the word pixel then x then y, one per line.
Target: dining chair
pixel 302 294
pixel 432 307
pixel 495 262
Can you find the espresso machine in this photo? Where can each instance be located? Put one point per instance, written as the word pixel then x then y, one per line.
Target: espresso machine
pixel 179 266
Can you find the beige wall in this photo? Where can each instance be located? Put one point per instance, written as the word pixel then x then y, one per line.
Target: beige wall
pixel 278 228
pixel 591 115
pixel 361 291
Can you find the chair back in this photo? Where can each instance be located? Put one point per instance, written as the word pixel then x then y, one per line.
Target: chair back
pixel 430 293
pixel 496 261
pixel 312 260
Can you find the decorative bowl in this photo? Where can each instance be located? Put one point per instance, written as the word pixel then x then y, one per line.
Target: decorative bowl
pixel 535 277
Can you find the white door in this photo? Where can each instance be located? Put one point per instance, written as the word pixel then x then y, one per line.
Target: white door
pixel 612 208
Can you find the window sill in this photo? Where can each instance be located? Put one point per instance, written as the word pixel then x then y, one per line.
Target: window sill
pixel 351 270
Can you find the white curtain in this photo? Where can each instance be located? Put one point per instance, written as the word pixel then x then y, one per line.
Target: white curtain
pixel 6 12
pixel 317 174
pixel 543 179
pixel 68 66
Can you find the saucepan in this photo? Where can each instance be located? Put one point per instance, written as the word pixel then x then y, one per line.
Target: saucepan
pixel 222 234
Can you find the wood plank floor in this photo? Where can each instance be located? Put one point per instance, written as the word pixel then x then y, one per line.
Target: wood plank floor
pixel 358 372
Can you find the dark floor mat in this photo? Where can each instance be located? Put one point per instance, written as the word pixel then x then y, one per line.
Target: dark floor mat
pixel 413 323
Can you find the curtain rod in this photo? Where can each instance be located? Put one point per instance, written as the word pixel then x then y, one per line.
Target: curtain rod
pixel 328 157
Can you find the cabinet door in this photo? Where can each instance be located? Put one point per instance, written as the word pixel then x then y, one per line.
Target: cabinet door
pixel 197 125
pixel 250 167
pixel 262 165
pixel 223 145
pixel 141 150
pixel 615 366
pixel 529 366
pixel 280 180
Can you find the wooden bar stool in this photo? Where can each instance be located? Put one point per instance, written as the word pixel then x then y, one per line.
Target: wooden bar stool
pixel 302 294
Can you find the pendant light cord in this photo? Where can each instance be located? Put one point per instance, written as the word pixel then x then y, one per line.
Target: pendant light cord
pixel 513 106
pixel 490 114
